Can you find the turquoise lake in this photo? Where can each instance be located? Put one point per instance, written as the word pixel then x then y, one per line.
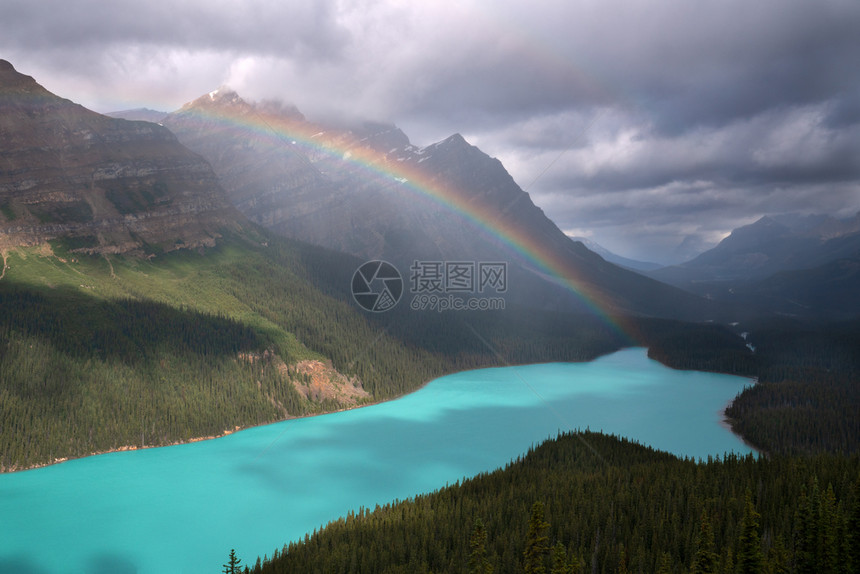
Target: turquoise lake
pixel 182 508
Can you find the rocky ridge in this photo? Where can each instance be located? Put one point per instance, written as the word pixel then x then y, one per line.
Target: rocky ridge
pixel 104 185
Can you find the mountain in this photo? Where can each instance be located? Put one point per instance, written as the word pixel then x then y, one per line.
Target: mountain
pixel 366 190
pixel 103 346
pixel 139 115
pixel 619 260
pixel 768 246
pixel 827 291
pixel 103 184
pixel 690 247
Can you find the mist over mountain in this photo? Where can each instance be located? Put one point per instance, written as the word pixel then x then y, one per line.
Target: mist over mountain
pixel 689 248
pixel 366 190
pixel 104 184
pixel 139 115
pixel 619 260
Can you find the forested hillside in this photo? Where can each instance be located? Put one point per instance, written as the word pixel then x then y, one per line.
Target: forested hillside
pixel 100 353
pixel 587 502
pixel 807 399
pixel 807 396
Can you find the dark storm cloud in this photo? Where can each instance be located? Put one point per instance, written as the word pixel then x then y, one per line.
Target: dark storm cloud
pixel 644 124
pixel 779 147
pixel 255 26
pixel 715 63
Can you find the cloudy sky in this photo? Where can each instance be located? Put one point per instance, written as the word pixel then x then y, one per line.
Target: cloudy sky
pixel 643 124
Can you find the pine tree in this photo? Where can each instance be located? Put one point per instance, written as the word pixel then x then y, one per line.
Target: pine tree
pixel 560 563
pixel 622 560
pixel 750 559
pixel 778 558
pixel 537 541
pixel 478 562
pixel 804 547
pixel 233 563
pixel 852 529
pixel 830 519
pixel 729 562
pixel 665 564
pixel 705 560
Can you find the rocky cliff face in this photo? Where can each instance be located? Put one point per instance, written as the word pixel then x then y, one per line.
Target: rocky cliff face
pixel 104 185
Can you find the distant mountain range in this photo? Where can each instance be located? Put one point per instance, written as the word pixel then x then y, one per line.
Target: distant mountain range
pixel 769 245
pixel 791 264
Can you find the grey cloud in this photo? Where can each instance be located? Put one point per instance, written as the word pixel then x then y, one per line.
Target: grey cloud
pixel 308 29
pixel 647 122
pixel 782 146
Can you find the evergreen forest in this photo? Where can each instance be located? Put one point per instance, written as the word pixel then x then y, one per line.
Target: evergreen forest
pixel 588 502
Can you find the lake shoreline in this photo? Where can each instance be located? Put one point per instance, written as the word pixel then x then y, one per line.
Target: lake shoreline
pixel 126 448
pixel 724 421
pixel 290 479
pixel 225 433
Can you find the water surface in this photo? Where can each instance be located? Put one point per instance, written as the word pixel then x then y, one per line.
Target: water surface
pixel 182 508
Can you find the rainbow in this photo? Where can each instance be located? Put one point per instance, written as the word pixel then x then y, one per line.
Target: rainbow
pixel 280 131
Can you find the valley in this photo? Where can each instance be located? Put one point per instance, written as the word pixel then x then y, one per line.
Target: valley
pixel 154 294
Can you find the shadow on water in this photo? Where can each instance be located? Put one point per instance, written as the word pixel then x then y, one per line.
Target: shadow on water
pixel 109 564
pixel 20 565
pixel 98 564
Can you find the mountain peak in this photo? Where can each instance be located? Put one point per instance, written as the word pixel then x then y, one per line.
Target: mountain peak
pixel 226 98
pixel 13 80
pixel 455 141
pixel 765 221
pixel 452 144
pixel 220 97
pixel 223 93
